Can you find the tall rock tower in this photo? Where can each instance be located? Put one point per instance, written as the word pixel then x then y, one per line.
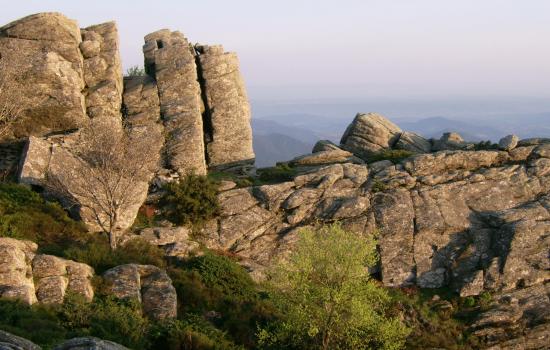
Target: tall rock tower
pixel 203 104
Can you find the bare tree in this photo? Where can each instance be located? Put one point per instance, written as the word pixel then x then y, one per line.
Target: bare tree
pixel 11 96
pixel 102 172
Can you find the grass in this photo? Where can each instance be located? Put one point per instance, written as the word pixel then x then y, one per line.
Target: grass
pixel 436 327
pixel 278 173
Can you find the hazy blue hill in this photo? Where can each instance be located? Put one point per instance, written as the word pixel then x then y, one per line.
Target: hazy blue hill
pixel 272 148
pixel 434 127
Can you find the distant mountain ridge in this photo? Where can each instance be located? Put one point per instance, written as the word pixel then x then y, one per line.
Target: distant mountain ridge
pixel 282 137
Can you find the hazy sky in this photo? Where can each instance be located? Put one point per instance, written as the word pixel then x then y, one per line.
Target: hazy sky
pixel 347 48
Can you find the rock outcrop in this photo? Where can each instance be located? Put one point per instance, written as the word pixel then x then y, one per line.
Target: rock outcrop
pixel 89 343
pixel 146 283
pixel 102 73
pixel 227 123
pixel 16 280
pixel 12 342
pixel 472 220
pixel 170 59
pixel 55 277
pixel 175 241
pixel 40 278
pixel 53 157
pixel 369 134
pixel 50 71
pixel 519 319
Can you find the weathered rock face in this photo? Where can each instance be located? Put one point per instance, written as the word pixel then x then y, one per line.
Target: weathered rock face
pixel 170 59
pixel 517 320
pixel 175 241
pixel 53 156
pixel 89 343
pixel 369 134
pixel 325 158
pixel 12 342
pixel 51 79
pixel 146 283
pixel 508 143
pixel 227 122
pixel 16 270
pixel 472 220
pixel 102 73
pixel 451 141
pixel 55 277
pixel 43 278
pixel 409 141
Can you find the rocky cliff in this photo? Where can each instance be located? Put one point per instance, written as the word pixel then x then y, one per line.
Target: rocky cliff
pixel 473 218
pixel 71 75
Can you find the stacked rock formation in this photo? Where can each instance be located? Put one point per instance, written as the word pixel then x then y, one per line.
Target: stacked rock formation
pixel 40 278
pixel 146 283
pixel 170 59
pixel 203 104
pixel 32 277
pixel 46 46
pixel 227 122
pixel 192 102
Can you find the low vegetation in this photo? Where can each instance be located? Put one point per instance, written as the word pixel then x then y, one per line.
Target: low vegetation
pixel 191 201
pixel 279 173
pixel 320 298
pixel 486 146
pixel 394 155
pixel 328 299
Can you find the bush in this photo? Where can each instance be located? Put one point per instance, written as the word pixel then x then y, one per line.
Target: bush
pixel 120 321
pixel 216 283
pixel 192 333
pixel 485 146
pixel 279 173
pixel 326 298
pixel 394 155
pixel 25 215
pixel 98 254
pixel 191 201
pixel 220 273
pixel 432 327
pixel 37 323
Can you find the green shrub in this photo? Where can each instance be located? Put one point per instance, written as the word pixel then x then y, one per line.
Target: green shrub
pixel 216 283
pixel 25 215
pixel 223 274
pixel 485 146
pixel 37 323
pixel 279 173
pixel 120 321
pixel 191 201
pixel 394 155
pixel 98 254
pixel 194 332
pixel 327 299
pixel 432 327
pixel 378 186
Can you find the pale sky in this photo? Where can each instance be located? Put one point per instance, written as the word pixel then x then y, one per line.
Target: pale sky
pixel 346 48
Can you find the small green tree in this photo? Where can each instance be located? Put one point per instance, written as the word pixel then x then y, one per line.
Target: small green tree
pixel 191 201
pixel 327 299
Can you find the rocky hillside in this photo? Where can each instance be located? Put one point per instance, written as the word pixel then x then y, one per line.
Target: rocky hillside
pixel 447 214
